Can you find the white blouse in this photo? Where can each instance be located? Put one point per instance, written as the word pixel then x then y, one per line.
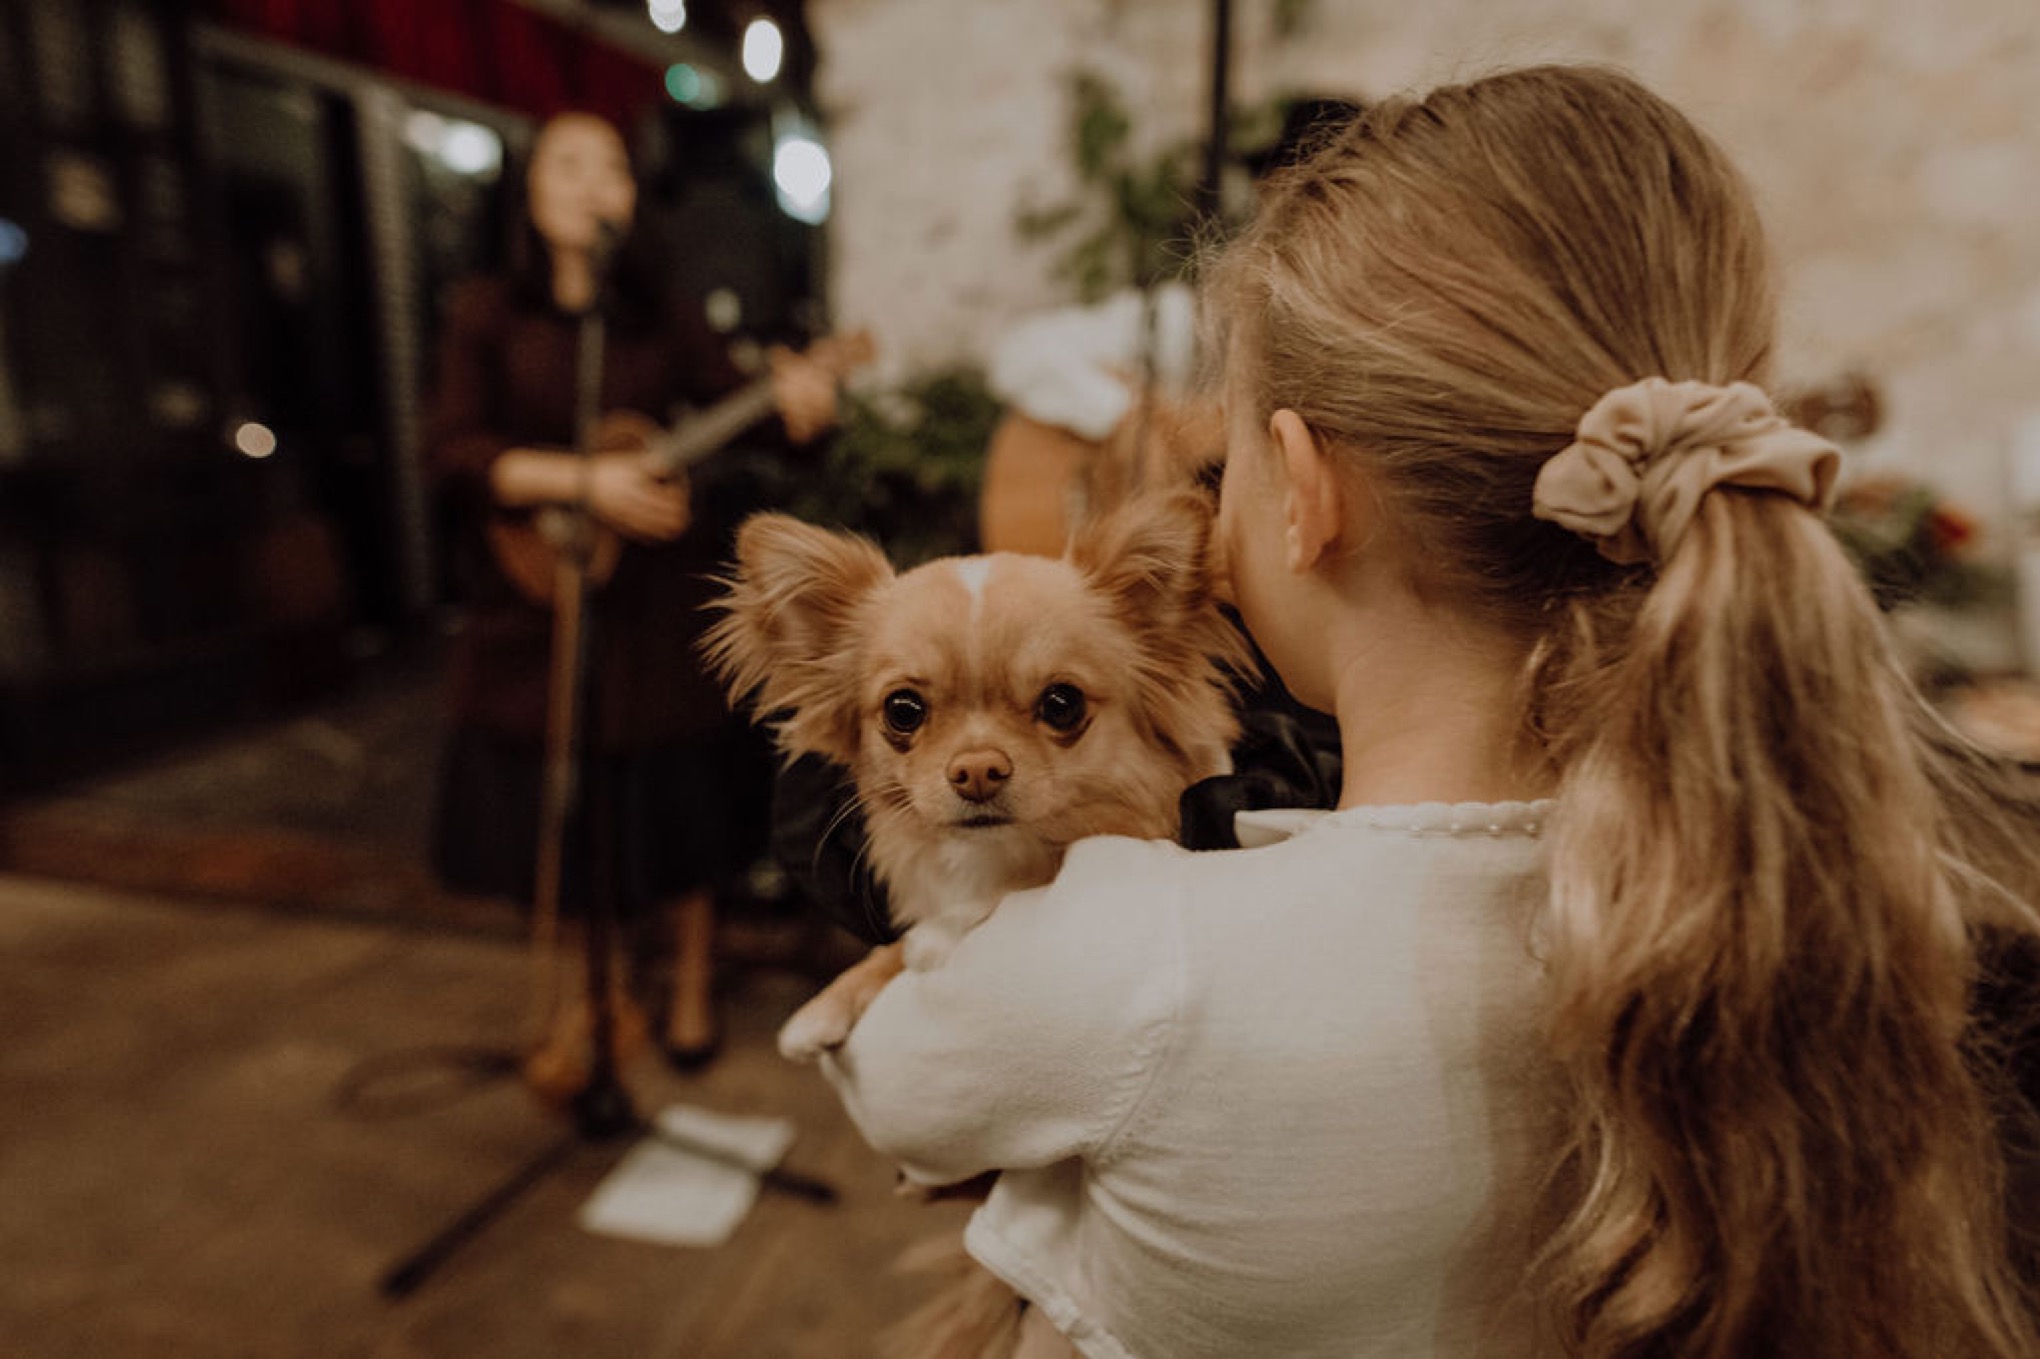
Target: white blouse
pixel 1283 1101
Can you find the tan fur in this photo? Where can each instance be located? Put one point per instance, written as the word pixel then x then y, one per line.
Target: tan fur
pixel 971 1315
pixel 818 631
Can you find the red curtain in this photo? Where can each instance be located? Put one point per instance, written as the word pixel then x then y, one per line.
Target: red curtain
pixel 527 63
pixel 497 51
pixel 612 83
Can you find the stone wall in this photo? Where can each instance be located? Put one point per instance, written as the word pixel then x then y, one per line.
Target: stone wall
pixel 1895 145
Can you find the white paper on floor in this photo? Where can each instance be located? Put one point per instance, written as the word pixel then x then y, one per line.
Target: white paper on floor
pixel 662 1193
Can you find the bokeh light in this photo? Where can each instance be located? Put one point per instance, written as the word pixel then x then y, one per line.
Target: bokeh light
pixel 763 49
pixel 255 440
pixel 802 173
pixel 471 149
pixel 466 148
pixel 693 86
pixel 668 16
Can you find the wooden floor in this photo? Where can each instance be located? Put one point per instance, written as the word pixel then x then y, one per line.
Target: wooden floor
pixel 200 945
pixel 179 1180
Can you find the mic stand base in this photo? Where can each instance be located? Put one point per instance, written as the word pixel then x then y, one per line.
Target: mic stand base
pixel 604 1111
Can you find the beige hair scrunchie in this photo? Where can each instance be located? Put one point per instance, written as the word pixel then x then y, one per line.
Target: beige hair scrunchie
pixel 1646 453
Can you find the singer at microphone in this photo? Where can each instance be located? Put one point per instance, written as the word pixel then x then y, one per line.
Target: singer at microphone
pixel 676 791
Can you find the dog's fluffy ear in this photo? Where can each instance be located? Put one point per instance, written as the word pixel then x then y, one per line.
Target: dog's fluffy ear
pixel 1151 556
pixel 788 634
pixel 1154 560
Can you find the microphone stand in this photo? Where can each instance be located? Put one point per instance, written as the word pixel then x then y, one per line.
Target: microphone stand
pixel 602 1108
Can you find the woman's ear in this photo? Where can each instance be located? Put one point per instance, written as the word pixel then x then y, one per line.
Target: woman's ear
pixel 1313 496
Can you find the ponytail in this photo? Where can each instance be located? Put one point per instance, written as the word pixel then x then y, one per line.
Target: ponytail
pixel 1762 969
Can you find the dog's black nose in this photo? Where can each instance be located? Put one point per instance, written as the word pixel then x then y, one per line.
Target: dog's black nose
pixel 978 775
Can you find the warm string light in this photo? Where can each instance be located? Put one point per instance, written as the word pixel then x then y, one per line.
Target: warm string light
pixel 668 16
pixel 255 440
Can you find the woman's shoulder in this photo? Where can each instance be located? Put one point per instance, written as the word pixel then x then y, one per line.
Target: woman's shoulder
pixel 1107 855
pixel 1145 884
pixel 1272 844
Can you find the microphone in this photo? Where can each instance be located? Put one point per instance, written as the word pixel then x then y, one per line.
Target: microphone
pixel 608 239
pixel 602 260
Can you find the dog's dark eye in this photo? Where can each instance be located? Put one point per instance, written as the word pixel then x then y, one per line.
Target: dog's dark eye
pixel 905 711
pixel 1061 706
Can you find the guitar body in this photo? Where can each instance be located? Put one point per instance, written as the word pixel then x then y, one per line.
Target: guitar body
pixel 1033 486
pixel 1041 479
pixel 527 548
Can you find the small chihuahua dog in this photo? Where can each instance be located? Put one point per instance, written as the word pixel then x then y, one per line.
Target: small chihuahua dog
pixel 990 710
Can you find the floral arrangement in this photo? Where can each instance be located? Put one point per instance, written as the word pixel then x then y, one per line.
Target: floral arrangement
pixel 1912 545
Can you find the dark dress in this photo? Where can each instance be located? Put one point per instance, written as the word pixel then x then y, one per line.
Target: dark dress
pixel 677 788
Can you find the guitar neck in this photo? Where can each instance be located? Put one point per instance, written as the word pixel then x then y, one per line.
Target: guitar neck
pixel 697 436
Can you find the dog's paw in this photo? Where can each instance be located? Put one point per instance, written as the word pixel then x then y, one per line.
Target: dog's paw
pixel 978 1187
pixel 913 1191
pixel 812 1031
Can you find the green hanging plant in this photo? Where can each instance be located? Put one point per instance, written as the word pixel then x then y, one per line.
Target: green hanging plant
pixel 1135 221
pixel 1134 218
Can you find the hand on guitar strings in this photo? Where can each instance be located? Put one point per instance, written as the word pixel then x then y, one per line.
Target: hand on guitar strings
pixel 804 389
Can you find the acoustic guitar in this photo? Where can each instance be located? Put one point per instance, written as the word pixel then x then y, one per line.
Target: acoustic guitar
pixel 527 549
pixel 1041 480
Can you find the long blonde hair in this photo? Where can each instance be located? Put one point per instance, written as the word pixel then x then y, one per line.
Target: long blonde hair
pixel 1770 869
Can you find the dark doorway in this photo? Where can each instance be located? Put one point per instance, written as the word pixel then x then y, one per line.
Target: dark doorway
pixel 303 301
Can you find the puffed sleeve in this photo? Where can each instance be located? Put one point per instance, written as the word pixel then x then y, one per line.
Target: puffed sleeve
pixel 461 438
pixel 1071 367
pixel 1077 367
pixel 1036 1039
